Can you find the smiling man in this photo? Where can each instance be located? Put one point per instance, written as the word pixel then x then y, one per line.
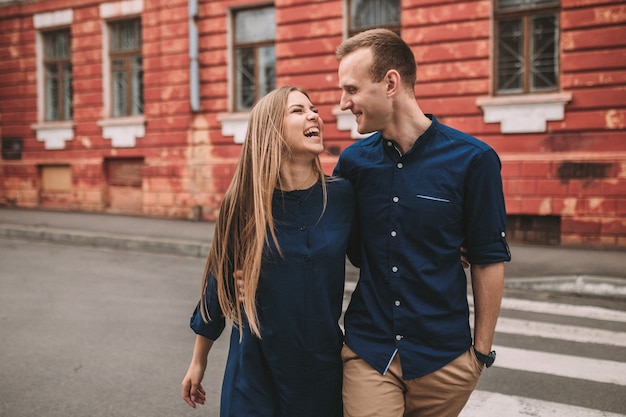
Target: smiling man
pixel 423 190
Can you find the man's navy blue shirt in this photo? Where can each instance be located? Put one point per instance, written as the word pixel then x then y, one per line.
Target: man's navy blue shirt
pixel 415 211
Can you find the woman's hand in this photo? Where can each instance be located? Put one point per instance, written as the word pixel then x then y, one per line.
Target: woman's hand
pixel 193 393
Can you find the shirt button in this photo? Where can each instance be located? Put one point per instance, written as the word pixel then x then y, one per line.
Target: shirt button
pixel 502 234
pixel 395 199
pixel 397 303
pixel 398 337
pixel 394 269
pixel 393 233
pixel 400 165
pixel 302 228
pixel 389 143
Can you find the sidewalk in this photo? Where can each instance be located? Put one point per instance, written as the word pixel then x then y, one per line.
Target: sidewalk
pixel 180 237
pixel 571 270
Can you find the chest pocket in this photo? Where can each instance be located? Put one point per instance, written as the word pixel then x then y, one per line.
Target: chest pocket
pixel 434 213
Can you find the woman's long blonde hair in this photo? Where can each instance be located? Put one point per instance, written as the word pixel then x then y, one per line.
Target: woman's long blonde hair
pixel 245 217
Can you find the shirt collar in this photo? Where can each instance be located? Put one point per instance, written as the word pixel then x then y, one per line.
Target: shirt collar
pixel 394 151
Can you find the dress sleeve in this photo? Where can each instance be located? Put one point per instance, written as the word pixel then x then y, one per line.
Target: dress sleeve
pixel 214 327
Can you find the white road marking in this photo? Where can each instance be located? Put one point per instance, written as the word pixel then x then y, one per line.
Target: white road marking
pixel 589 312
pixel 489 404
pixel 589 369
pixel 560 331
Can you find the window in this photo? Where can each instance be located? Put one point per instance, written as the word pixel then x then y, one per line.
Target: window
pixel 57 75
pixel 12 148
pixel 526 51
pixel 56 178
pixel 126 68
pixel 254 55
pixel 367 14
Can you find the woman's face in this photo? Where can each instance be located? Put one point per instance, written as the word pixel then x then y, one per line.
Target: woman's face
pixel 303 126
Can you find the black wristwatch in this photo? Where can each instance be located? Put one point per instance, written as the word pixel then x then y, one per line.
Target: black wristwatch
pixel 486 359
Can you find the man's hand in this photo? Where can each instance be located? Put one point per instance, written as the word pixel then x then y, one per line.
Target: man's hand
pixel 464 260
pixel 239 281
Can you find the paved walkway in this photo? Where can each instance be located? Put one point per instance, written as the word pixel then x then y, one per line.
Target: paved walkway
pixel 572 270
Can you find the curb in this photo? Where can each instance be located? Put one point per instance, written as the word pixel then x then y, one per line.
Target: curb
pixel 105 240
pixel 578 284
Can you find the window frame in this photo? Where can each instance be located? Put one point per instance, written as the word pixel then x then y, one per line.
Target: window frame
pixel 351 30
pixel 59 63
pixel 525 13
pixel 256 46
pixel 127 56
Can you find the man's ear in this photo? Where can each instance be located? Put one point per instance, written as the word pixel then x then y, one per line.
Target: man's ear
pixel 393 82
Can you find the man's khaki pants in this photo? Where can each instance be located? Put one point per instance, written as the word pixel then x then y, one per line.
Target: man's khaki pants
pixel 443 393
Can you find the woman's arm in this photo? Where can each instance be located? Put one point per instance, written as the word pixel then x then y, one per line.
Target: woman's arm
pixel 192 383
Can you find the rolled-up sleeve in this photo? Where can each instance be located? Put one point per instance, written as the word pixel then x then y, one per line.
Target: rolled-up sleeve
pixel 485 212
pixel 214 327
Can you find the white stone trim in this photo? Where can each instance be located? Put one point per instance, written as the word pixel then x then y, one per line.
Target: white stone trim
pixel 54 134
pixel 524 113
pixel 234 124
pixel 123 131
pixel 347 121
pixel 121 8
pixel 47 20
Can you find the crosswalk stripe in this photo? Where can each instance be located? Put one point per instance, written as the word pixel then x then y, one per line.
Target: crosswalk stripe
pixel 560 331
pixel 489 404
pixel 588 312
pixel 589 369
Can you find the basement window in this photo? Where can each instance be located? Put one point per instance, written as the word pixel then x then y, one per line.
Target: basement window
pixel 12 148
pixel 56 178
pixel 545 230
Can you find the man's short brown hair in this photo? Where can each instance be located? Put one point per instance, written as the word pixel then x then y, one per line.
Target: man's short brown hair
pixel 389 51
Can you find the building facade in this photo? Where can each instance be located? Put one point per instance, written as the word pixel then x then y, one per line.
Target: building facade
pixel 139 107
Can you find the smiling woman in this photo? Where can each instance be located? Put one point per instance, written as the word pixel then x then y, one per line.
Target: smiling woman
pixel 303 136
pixel 285 228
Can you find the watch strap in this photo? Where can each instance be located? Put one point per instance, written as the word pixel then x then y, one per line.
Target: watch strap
pixel 488 360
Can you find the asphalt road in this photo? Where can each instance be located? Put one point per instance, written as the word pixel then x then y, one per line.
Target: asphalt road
pixel 103 332
pixel 96 332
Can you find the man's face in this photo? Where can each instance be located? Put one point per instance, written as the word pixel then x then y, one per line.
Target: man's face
pixel 366 99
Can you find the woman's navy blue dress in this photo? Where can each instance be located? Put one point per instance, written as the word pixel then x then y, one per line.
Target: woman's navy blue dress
pixel 295 369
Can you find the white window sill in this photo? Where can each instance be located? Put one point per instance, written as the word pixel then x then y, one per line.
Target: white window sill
pixel 524 113
pixel 54 134
pixel 346 121
pixel 235 125
pixel 123 131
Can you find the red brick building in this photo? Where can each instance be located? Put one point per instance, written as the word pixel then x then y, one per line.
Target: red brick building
pixel 139 106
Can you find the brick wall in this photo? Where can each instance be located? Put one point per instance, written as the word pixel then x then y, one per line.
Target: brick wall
pixel 573 172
